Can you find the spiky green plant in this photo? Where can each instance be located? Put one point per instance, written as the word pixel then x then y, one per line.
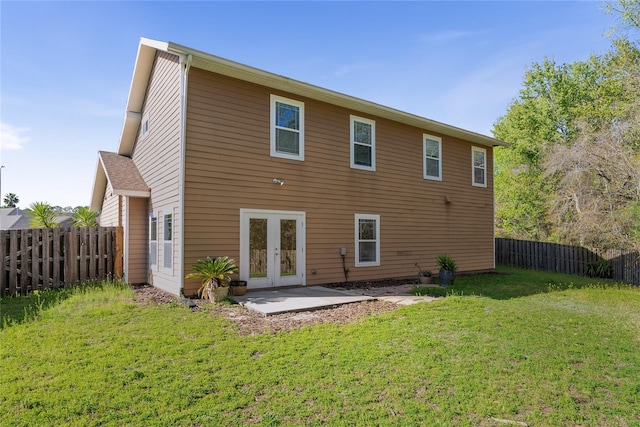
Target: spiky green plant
pixel 42 215
pixel 85 217
pixel 214 273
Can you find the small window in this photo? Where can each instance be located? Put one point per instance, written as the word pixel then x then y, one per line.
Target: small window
pixel 432 157
pixel 479 171
pixel 363 143
pixel 167 236
pixel 153 241
pixel 367 240
pixel 287 128
pixel 144 127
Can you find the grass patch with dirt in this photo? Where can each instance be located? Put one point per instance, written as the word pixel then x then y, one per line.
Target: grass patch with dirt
pixel 529 348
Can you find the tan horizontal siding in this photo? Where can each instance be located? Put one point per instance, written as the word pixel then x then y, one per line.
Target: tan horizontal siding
pixel 158 158
pixel 228 167
pixel 138 239
pixel 109 213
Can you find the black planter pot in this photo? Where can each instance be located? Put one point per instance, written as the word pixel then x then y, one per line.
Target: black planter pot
pixel 238 287
pixel 446 277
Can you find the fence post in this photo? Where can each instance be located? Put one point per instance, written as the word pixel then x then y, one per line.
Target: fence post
pixel 119 251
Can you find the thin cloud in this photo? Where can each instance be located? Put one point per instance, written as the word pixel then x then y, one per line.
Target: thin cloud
pixel 448 35
pixel 12 138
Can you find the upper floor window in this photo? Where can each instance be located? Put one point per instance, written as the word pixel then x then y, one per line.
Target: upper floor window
pixel 363 143
pixel 479 171
pixel 367 240
pixel 287 128
pixel 432 165
pixel 144 127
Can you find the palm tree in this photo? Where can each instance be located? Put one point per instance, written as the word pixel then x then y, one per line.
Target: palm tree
pixel 11 200
pixel 41 215
pixel 85 217
pixel 215 273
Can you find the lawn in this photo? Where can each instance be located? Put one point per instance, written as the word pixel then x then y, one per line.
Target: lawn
pixel 522 348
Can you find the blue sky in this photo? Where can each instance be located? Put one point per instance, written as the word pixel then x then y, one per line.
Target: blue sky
pixel 66 66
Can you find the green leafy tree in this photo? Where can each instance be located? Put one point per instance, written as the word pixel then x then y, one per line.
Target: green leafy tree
pixel 42 215
pixel 562 113
pixel 85 217
pixel 11 200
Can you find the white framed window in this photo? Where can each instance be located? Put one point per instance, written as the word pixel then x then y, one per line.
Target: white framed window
pixel 479 166
pixel 144 127
pixel 367 240
pixel 287 128
pixel 153 241
pixel 363 143
pixel 167 246
pixel 432 161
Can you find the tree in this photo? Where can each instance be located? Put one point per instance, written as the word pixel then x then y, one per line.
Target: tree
pixel 85 217
pixel 550 184
pixel 11 200
pixel 42 215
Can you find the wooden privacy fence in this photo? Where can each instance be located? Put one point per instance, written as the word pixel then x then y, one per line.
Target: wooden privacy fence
pixel 624 265
pixel 45 258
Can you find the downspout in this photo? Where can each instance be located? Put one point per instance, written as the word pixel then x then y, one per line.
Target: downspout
pixel 185 67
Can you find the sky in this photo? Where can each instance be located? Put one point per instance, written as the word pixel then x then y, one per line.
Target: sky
pixel 66 67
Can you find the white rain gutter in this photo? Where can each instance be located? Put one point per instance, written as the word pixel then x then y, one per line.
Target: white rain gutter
pixel 185 66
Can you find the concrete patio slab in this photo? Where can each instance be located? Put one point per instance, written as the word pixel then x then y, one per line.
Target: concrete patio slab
pixel 278 301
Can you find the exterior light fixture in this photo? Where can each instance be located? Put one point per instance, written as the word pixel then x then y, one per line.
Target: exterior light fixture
pixel 278 181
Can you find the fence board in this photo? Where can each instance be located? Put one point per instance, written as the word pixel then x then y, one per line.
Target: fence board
pixel 36 241
pixel 49 258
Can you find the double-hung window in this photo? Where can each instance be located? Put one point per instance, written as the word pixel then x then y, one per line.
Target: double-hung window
pixel 287 128
pixel 363 143
pixel 144 126
pixel 153 241
pixel 167 248
pixel 479 167
pixel 432 165
pixel 367 240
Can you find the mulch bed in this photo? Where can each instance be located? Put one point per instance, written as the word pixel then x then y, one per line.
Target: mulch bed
pixel 249 322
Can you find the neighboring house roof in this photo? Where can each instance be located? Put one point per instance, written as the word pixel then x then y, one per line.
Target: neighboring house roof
pixel 13 219
pixel 16 219
pixel 144 63
pixel 123 175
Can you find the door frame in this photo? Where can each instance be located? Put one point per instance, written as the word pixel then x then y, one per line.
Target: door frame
pixel 245 214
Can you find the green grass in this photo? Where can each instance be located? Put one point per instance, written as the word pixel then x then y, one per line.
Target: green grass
pixel 528 347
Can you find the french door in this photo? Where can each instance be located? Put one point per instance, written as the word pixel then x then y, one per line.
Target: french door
pixel 272 248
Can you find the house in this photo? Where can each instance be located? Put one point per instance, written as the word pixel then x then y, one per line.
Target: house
pixel 218 158
pixel 13 219
pixel 17 219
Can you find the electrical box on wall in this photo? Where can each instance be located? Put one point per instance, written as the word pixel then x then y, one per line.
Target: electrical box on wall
pixel 343 251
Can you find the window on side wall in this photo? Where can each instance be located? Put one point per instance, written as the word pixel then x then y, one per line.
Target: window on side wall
pixel 167 248
pixel 153 241
pixel 363 143
pixel 144 127
pixel 287 128
pixel 432 161
pixel 479 167
pixel 367 240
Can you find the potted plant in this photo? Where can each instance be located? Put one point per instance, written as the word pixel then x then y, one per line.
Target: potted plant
pixel 238 287
pixel 448 269
pixel 424 276
pixel 215 275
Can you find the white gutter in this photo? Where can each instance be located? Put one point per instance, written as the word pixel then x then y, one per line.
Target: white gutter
pixel 185 66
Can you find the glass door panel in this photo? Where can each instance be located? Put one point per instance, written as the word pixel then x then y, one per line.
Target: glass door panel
pixel 258 248
pixel 288 250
